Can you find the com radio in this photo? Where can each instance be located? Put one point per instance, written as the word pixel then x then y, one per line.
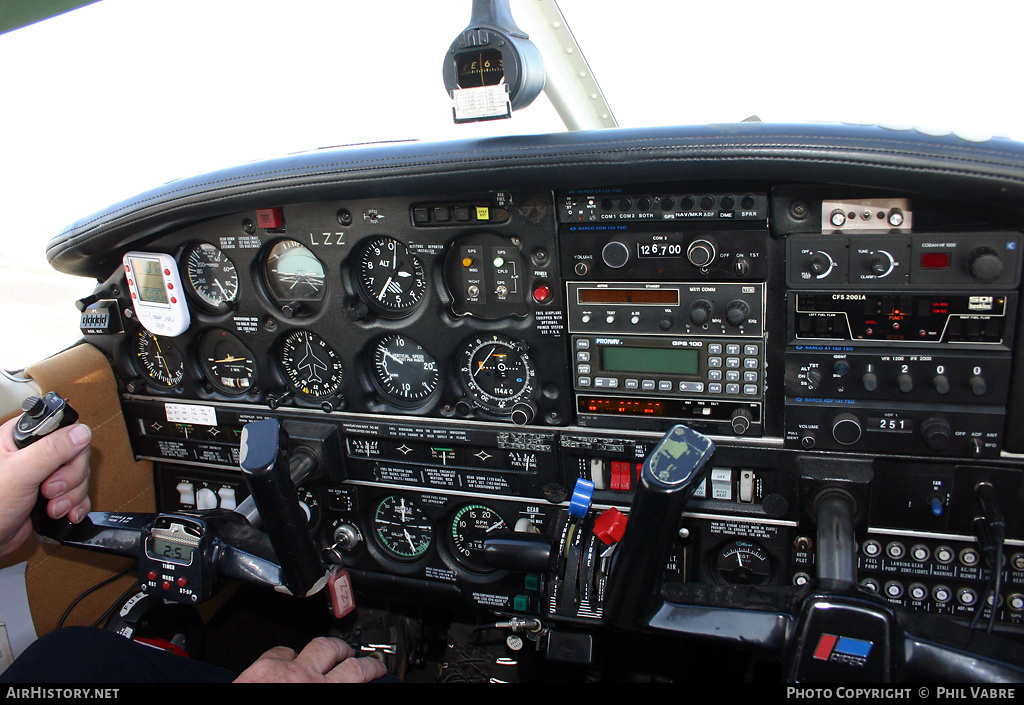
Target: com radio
pixel 650 355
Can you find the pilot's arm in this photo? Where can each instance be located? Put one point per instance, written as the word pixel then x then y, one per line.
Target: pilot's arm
pixel 57 465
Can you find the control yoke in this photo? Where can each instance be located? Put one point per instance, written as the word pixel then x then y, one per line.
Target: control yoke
pixel 182 555
pixel 834 631
pixel 671 472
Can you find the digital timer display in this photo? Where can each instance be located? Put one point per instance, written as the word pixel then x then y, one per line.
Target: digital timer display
pixel 149 279
pixel 172 551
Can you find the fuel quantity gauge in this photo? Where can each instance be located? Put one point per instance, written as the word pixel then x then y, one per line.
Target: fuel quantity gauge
pixel 401 528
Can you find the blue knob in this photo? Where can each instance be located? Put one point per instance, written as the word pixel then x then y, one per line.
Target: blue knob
pixel 582 495
pixel 936 506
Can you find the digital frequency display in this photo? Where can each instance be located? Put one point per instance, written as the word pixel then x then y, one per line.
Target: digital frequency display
pixel 641 297
pixel 669 361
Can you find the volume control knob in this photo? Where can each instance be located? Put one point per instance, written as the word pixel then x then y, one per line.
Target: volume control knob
pixel 615 254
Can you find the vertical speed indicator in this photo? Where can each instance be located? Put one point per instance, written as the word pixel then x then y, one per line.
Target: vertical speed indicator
pixel 403 372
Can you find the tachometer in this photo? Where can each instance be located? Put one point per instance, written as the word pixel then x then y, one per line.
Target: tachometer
pixel 160 361
pixel 402 528
pixel 496 372
pixel 295 278
pixel 389 277
pixel 228 365
pixel 470 527
pixel 403 372
pixel 210 277
pixel 312 367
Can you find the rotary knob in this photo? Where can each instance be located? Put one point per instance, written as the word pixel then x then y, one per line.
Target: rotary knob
pixel 846 429
pixel 736 312
pixel 740 421
pixel 615 254
pixel 984 265
pixel 523 413
pixel 936 432
pixel 700 312
pixel 701 253
pixel 819 264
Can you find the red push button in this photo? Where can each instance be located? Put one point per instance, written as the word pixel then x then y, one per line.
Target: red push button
pixel 270 218
pixel 541 294
pixel 182 581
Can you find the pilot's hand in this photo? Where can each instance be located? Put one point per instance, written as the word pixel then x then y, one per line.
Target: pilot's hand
pixel 56 465
pixel 323 660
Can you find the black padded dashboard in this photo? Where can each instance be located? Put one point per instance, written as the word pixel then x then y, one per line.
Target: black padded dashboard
pixel 460 331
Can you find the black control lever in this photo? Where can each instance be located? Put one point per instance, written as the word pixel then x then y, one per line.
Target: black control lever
pixel 283 519
pixel 672 471
pixel 836 555
pixel 42 416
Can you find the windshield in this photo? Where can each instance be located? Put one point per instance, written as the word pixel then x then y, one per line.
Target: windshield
pixel 121 96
